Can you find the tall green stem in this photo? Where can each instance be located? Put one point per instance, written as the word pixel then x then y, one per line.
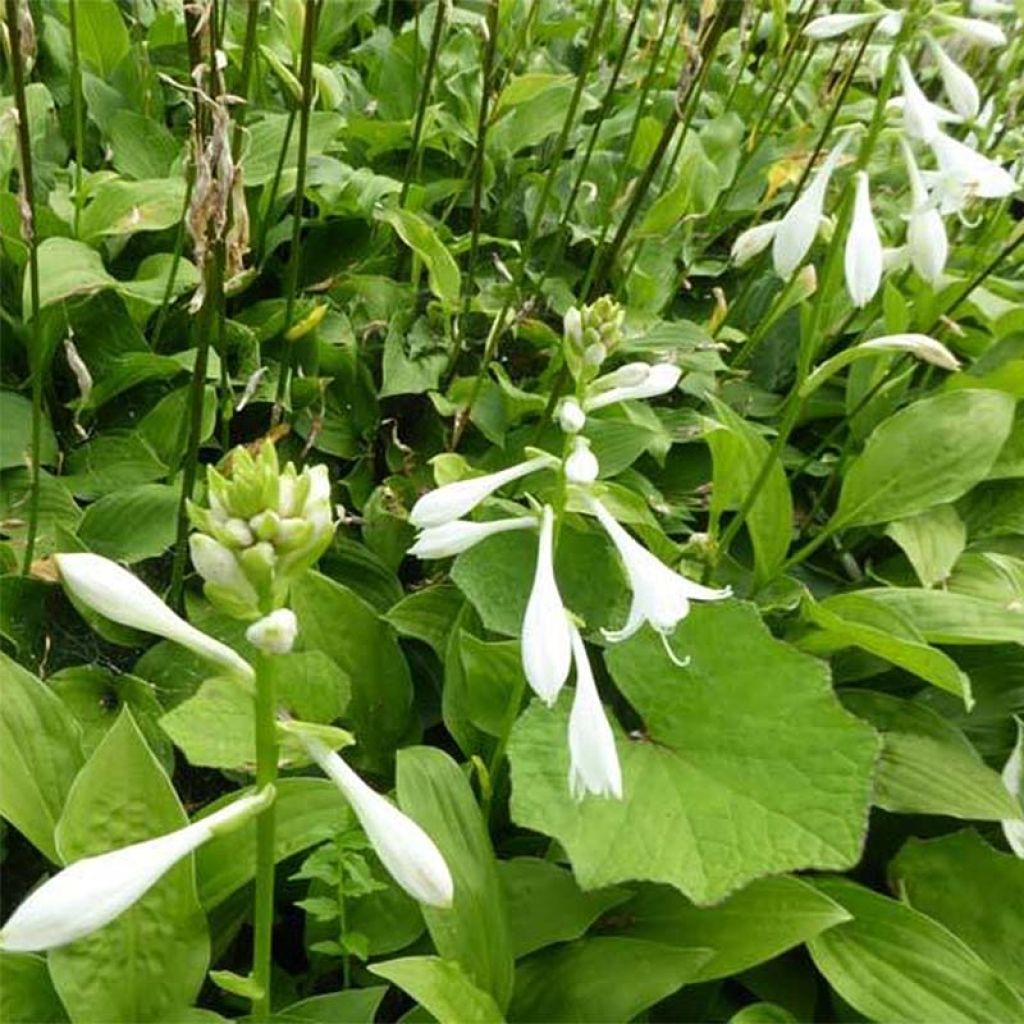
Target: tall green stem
pixel 28 226
pixel 77 110
pixel 266 773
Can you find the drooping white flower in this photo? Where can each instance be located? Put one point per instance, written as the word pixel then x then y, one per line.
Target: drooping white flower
pixel 919 119
pixel 975 175
pixel 926 234
pixel 593 760
pixel 546 644
pixel 581 467
pixel 647 381
pixel 404 848
pixel 453 501
pixel 983 33
pixel 92 892
pixel 660 596
pixel 571 417
pixel 274 633
pixel 752 242
pixel 219 567
pixel 1013 780
pixel 452 539
pixel 116 594
pixel 926 348
pixel 957 84
pixel 830 26
pixel 992 8
pixel 796 231
pixel 863 255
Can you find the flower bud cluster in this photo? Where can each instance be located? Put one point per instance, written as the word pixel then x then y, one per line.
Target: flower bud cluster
pixel 591 335
pixel 263 527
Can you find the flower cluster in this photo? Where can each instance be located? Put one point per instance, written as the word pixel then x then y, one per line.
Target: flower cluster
pixel 962 174
pixel 552 644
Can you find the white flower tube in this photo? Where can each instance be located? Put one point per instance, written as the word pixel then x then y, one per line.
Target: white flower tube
pixel 992 8
pixel 863 256
pixel 453 538
pixel 752 242
pixel 409 854
pixel 659 379
pixel 546 644
pixel 974 29
pixel 116 594
pixel 93 891
pixel 976 175
pixel 453 501
pixel 919 120
pixel 927 244
pixel 593 760
pixel 660 596
pixel 796 232
pixel 922 346
pixel 830 26
pixel 956 83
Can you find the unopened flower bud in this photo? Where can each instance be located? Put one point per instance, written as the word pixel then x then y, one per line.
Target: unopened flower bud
pixel 571 417
pixel 581 467
pixel 274 633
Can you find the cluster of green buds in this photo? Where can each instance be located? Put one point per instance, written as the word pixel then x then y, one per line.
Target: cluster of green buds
pixel 264 526
pixel 591 335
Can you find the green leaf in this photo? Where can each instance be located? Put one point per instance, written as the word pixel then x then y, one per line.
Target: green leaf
pixel 442 270
pixel 102 36
pixel 932 540
pixel 603 979
pixel 367 651
pixel 975 891
pixel 428 615
pixel 493 678
pixel 441 987
pixel 266 138
pixel 694 192
pixel 739 452
pixel 353 1006
pixel 40 755
pixel 892 963
pixel 149 962
pixel 925 455
pixel 545 905
pixel 67 268
pixel 125 370
pixel 152 511
pixel 755 924
pixel 763 1013
pixel 474 932
pixel 143 148
pixel 57 509
pixel 125 207
pixel 27 995
pixel 237 984
pixel 16 433
pixel 927 765
pixel 745 764
pixel 214 728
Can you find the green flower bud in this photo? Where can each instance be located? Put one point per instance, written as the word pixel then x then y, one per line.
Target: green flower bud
pixel 591 335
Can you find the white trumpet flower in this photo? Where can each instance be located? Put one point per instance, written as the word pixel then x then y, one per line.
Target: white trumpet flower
pixel 992 8
pixel 957 84
pixel 926 234
pixel 593 760
pixel 973 174
pixel 116 594
pixel 925 348
pixel 645 381
pixel 546 644
pixel 660 596
pixel 404 848
pixel 796 231
pixel 752 242
pixel 93 891
pixel 581 467
pixel 452 539
pixel 919 119
pixel 453 501
pixel 974 30
pixel 863 256
pixel 830 26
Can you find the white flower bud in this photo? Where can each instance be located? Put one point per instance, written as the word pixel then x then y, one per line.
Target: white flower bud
pixel 452 539
pixel 274 633
pixel 975 30
pixel 920 345
pixel 581 467
pixel 572 324
pixel 863 256
pixel 926 235
pixel 660 379
pixel 571 417
pixel 752 242
pixel 958 85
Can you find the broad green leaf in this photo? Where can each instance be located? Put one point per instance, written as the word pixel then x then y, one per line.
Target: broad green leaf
pixel 971 888
pixel 927 765
pixel 306 811
pixel 693 194
pixel 739 452
pixel 755 924
pixel 851 620
pixel 493 677
pixel 102 36
pixel 474 932
pixel 744 764
pixel 443 271
pixel 532 107
pixel 763 1013
pixel 27 995
pixel 932 541
pixel 58 511
pixel 67 268
pixel 545 905
pixel 367 651
pixel 925 455
pixel 214 728
pixel 125 370
pixel 266 137
pixel 601 979
pixel 125 207
pixel 428 615
pixel 149 963
pixel 892 963
pixel 442 988
pixel 40 755
pixel 143 148
pixel 351 1006
pixel 152 511
pixel 16 433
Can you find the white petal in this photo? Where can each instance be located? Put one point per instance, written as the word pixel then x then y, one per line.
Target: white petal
pixel 630 375
pixel 863 256
pixel 453 538
pixel 976 30
pixel 546 646
pixel 829 26
pixel 593 759
pixel 752 242
pixel 121 597
pixel 216 564
pixel 274 633
pixel 660 380
pixel 920 345
pixel 409 854
pixel 571 417
pixel 581 467
pixel 453 501
pixel 958 85
pixel 919 119
pixel 977 175
pixel 927 243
